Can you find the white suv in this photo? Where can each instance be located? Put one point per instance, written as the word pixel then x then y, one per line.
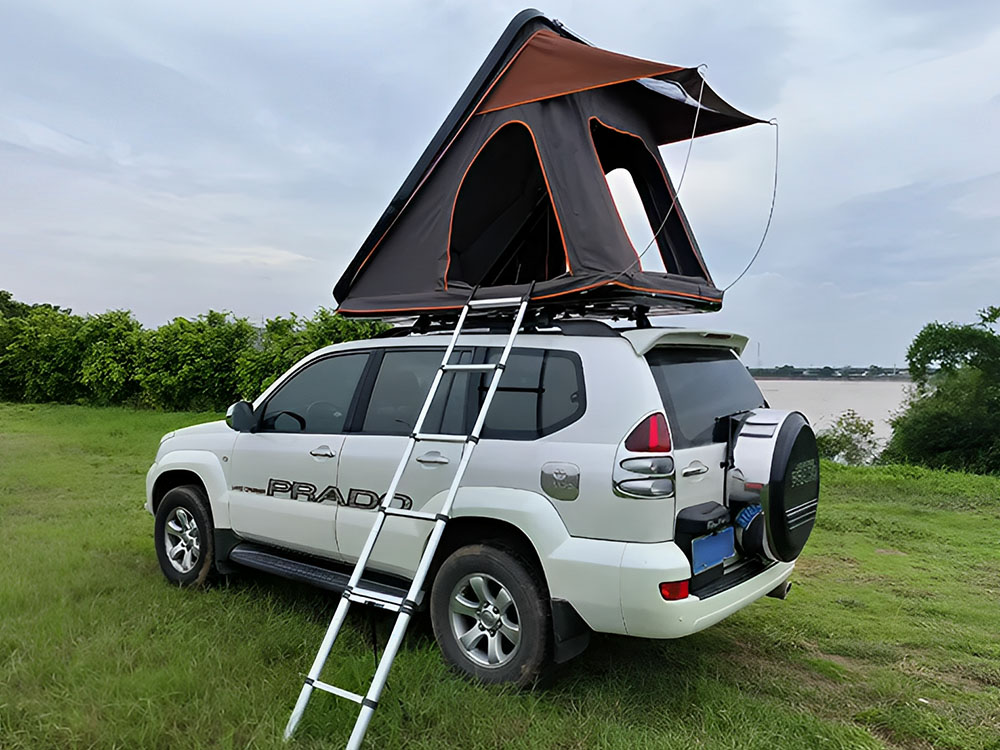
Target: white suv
pixel 626 481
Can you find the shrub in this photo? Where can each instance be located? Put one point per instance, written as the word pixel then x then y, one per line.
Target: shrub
pixel 41 359
pixel 950 422
pixel 851 440
pixel 112 342
pixel 49 354
pixel 191 364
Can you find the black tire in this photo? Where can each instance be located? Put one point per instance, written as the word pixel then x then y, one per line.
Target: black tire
pixel 179 505
pixel 525 663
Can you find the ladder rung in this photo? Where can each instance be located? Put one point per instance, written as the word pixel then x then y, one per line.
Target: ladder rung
pixel 367 596
pixel 470 368
pixel 407 513
pixel 498 302
pixel 334 690
pixel 425 436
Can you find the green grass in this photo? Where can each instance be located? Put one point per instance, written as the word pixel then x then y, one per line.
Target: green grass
pixel 891 637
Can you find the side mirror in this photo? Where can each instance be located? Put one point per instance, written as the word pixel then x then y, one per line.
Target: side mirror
pixel 240 417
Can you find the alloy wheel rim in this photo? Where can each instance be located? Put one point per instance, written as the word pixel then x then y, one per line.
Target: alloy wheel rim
pixel 182 540
pixel 484 620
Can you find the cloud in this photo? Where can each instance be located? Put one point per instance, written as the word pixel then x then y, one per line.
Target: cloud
pixel 175 157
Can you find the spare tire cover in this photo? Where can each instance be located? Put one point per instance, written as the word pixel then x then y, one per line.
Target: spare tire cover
pixel 793 491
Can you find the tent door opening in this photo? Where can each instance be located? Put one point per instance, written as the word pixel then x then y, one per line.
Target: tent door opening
pixel 504 228
pixel 618 150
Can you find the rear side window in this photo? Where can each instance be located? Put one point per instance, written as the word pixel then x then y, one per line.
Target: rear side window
pixel 542 391
pixel 698 386
pixel 403 382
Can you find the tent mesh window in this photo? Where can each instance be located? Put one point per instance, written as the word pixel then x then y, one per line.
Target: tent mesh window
pixel 504 228
pixel 617 149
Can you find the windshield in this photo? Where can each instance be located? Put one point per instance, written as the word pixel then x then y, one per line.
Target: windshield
pixel 697 386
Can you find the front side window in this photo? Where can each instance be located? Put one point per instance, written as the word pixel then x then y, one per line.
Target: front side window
pixel 542 391
pixel 402 385
pixel 317 398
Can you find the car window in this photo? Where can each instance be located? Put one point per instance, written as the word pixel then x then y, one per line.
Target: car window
pixel 699 385
pixel 542 391
pixel 403 382
pixel 315 399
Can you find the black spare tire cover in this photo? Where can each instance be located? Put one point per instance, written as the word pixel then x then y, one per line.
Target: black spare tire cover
pixel 793 491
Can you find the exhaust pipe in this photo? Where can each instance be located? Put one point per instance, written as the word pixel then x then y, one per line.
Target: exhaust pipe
pixel 781 590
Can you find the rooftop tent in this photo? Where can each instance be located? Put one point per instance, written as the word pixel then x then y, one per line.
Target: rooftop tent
pixel 512 188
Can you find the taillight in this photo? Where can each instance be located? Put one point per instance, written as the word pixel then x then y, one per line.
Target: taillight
pixel 674 590
pixel 651 436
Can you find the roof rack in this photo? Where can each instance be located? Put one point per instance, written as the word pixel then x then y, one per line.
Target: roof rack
pixel 495 324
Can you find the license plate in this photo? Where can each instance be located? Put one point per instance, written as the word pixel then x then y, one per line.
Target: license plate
pixel 709 551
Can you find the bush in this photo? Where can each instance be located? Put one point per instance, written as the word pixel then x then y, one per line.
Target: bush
pixel 49 354
pixel 42 357
pixel 851 440
pixel 112 342
pixel 191 364
pixel 950 422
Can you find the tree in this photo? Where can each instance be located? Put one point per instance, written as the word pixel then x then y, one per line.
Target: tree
pixel 951 420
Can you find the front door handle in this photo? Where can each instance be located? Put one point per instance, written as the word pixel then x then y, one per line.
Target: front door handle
pixel 693 469
pixel 322 451
pixel 433 457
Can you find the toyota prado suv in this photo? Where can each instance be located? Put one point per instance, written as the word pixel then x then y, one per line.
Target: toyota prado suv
pixel 626 481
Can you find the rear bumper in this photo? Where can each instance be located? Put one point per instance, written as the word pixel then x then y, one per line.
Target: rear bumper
pixel 647 615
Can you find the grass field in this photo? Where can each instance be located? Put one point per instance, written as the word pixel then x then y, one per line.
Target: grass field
pixel 891 637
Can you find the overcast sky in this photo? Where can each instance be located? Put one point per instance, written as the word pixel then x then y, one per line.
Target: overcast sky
pixel 173 157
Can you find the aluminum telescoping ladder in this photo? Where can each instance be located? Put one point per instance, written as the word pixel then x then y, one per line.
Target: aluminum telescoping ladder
pixel 406 607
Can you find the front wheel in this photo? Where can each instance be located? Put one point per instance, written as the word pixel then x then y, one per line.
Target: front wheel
pixel 491 616
pixel 184 536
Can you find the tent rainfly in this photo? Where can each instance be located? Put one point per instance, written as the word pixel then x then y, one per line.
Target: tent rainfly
pixel 512 188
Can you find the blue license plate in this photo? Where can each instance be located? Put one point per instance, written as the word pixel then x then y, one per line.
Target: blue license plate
pixel 709 551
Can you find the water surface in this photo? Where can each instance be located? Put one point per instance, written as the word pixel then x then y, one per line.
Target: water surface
pixel 822 401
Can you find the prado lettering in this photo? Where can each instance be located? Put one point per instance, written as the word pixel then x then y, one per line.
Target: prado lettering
pixel 308 492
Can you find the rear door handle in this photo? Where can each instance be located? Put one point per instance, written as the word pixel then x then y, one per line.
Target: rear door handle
pixel 694 469
pixel 322 451
pixel 433 457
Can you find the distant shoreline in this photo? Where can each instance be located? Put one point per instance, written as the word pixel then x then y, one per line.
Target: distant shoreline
pixel 834 379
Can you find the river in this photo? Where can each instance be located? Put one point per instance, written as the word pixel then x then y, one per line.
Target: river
pixel 822 401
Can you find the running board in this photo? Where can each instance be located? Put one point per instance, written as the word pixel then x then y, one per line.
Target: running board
pixel 259 558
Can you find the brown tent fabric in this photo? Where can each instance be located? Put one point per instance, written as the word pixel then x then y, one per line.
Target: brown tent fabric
pixel 512 190
pixel 550 65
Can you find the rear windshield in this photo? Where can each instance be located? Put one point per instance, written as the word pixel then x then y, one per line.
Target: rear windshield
pixel 699 385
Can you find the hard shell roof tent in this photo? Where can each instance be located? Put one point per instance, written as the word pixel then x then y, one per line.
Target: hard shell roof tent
pixel 512 188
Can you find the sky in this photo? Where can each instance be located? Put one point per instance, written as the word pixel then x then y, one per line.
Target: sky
pixel 169 158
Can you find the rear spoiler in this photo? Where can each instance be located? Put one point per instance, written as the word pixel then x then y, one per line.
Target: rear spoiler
pixel 644 339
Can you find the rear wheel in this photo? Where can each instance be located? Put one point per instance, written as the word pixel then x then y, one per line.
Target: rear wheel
pixel 184 536
pixel 491 617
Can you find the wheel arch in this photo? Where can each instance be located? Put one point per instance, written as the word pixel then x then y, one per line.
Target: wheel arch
pixel 569 631
pixel 172 478
pixel 465 530
pixel 198 467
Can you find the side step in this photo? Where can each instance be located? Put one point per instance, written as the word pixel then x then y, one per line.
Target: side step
pixel 261 558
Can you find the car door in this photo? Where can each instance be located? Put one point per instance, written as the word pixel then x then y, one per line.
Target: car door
pixel 371 455
pixel 284 475
pixel 699 386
